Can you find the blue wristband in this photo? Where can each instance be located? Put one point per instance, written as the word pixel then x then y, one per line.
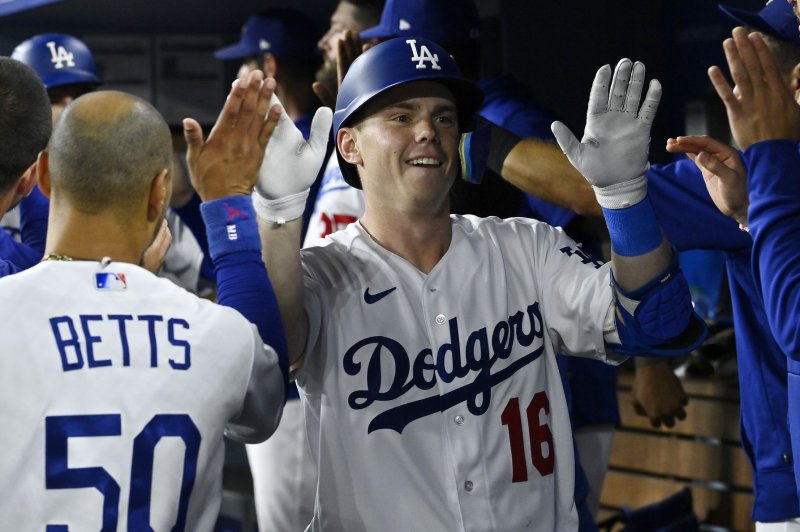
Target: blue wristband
pixel 231 225
pixel 633 230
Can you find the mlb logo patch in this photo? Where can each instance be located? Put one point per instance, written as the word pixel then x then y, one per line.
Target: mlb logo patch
pixel 110 281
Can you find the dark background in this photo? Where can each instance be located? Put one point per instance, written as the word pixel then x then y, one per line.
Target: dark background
pixel 161 49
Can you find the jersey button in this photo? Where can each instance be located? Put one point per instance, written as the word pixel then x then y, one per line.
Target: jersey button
pixel 440 319
pixel 468 485
pixel 459 419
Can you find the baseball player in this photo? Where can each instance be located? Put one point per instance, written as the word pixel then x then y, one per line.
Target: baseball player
pixel 699 225
pixel 425 342
pixel 67 68
pixel 765 122
pixel 117 386
pixel 25 117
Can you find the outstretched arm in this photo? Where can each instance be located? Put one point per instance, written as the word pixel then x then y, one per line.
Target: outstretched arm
pixel 612 156
pixel 289 168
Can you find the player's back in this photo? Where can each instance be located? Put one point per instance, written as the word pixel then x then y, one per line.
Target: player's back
pixel 115 390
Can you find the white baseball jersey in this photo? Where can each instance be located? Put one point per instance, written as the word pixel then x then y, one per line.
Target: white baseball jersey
pixel 337 205
pixel 433 402
pixel 115 390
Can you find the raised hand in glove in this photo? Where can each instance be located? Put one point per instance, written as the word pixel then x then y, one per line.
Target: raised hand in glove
pixel 290 166
pixel 613 153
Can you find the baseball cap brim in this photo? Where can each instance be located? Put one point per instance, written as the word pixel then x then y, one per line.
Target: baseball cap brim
pixel 378 32
pixel 235 51
pixel 751 20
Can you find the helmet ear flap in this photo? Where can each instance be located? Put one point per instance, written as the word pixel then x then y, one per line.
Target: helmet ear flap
pixel 58 59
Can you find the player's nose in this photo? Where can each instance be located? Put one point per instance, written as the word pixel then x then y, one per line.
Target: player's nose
pixel 425 130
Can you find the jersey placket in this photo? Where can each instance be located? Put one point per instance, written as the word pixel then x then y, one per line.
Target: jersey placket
pixel 460 429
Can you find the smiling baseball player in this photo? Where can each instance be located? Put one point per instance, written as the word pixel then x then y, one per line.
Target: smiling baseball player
pixel 426 342
pixel 130 382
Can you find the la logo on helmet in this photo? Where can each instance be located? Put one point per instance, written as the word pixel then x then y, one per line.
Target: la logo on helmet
pixel 423 55
pixel 59 56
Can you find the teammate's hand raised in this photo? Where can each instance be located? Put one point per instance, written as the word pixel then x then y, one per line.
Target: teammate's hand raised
pixel 227 162
pixel 762 107
pixel 722 169
pixel 614 148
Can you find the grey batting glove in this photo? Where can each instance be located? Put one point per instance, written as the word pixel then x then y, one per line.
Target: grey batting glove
pixel 290 166
pixel 613 154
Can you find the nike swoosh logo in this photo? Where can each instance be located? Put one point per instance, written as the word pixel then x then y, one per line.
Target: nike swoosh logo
pixel 374 298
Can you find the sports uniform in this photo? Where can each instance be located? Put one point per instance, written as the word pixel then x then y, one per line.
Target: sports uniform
pixel 132 381
pixel 773 189
pixel 765 438
pixel 415 377
pixel 411 389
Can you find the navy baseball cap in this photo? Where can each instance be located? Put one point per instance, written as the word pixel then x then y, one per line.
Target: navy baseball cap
pixel 776 18
pixel 442 21
pixel 281 32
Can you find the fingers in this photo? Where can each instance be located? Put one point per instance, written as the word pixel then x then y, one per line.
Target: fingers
pixel 749 65
pixel 193 134
pixel 634 95
pixel 347 49
pixel 723 88
pixel 325 95
pixel 320 127
pixel 566 140
pixel 771 74
pixel 268 126
pixel 619 85
pixel 598 97
pixel 695 144
pixel 651 100
pixel 154 255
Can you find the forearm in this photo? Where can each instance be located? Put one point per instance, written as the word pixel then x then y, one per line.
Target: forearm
pixel 774 216
pixel 281 255
pixel 541 169
pixel 634 272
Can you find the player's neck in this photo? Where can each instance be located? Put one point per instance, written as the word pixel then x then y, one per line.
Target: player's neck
pixel 421 240
pixel 82 236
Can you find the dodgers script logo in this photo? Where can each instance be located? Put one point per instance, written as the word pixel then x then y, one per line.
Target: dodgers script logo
pixel 59 56
pixel 482 351
pixel 423 55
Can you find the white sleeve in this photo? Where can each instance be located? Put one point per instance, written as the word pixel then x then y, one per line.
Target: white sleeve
pixel 264 396
pixel 578 300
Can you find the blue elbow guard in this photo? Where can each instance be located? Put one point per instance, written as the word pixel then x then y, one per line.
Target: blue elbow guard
pixel 657 319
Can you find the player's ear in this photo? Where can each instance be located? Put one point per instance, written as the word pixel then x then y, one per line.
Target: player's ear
pixel 160 189
pixel 43 173
pixel 27 181
pixel 795 83
pixel 347 144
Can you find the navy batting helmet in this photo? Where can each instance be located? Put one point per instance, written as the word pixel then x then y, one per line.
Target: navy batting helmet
pixel 58 59
pixel 392 63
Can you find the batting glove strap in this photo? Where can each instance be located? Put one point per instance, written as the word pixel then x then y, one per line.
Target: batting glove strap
pixel 622 195
pixel 657 319
pixel 282 210
pixel 230 225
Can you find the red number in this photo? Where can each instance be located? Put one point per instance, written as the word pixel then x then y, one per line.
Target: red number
pixel 542 449
pixel 340 221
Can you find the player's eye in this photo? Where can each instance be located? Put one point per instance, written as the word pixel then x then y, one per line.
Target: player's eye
pixel 446 119
pixel 402 118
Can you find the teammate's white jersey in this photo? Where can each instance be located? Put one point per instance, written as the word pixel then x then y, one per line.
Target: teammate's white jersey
pixel 433 402
pixel 337 205
pixel 115 389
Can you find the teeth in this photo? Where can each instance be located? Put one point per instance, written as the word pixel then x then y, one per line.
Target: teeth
pixel 425 160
